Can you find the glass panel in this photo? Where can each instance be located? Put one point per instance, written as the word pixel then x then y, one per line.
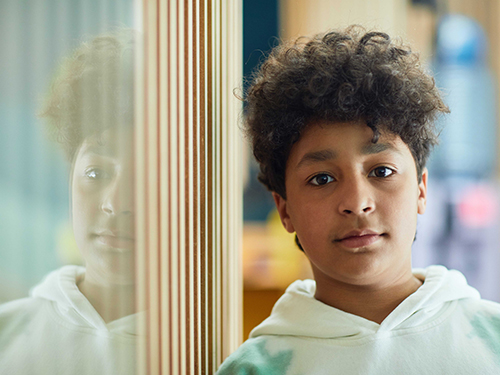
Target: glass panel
pixel 66 187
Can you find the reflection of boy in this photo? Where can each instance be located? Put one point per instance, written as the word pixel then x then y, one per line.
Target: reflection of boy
pixel 341 125
pixel 82 320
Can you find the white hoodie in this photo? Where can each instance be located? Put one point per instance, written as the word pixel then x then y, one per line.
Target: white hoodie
pixel 442 328
pixel 57 331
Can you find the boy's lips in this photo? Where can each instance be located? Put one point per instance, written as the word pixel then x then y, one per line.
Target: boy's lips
pixel 115 239
pixel 359 238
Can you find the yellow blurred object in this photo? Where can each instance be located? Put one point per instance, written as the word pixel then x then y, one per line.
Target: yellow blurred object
pixel 271 259
pixel 286 258
pixel 67 248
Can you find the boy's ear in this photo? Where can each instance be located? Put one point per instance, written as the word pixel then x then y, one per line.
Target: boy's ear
pixel 422 192
pixel 282 210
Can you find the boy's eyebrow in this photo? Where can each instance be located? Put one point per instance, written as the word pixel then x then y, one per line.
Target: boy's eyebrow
pixel 315 156
pixel 327 154
pixel 98 149
pixel 375 148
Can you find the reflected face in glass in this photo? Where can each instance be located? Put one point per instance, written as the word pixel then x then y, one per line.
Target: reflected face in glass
pixel 353 203
pixel 103 206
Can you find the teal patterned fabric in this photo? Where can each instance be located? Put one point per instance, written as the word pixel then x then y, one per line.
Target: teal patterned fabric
pixel 255 360
pixel 487 328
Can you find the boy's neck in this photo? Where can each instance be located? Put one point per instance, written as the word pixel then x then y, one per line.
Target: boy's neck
pixel 112 302
pixel 372 302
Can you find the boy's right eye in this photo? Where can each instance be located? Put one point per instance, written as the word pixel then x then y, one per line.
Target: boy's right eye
pixel 321 179
pixel 96 174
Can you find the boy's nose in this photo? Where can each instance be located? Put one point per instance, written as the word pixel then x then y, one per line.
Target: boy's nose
pixel 356 199
pixel 117 198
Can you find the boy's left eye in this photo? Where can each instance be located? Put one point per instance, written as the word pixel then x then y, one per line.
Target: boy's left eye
pixel 381 172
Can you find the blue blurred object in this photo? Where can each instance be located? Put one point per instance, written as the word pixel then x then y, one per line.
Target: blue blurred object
pixel 460 41
pixel 468 139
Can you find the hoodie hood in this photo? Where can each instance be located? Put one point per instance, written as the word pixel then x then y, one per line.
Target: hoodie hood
pixel 298 313
pixel 60 287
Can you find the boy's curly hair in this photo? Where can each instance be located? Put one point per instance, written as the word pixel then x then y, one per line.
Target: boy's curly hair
pixel 339 76
pixel 92 90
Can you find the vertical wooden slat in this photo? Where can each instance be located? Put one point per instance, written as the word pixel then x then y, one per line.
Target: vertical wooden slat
pixel 188 62
pixel 183 241
pixel 188 189
pixel 203 193
pixel 164 138
pixel 151 168
pixel 236 176
pixel 157 203
pixel 211 316
pixel 217 295
pixel 175 183
pixel 140 206
pixel 171 175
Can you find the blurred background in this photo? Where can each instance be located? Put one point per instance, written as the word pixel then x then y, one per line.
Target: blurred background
pixel 459 41
pixel 35 230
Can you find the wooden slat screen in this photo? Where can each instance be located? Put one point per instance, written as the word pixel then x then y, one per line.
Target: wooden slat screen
pixel 189 193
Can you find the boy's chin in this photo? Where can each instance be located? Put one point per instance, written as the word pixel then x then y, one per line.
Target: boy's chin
pixel 116 278
pixel 365 269
pixel 110 268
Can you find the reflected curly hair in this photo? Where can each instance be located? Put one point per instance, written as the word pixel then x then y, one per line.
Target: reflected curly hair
pixel 339 76
pixel 92 90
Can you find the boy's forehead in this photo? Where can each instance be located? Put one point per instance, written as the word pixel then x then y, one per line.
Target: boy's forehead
pixel 110 143
pixel 321 142
pixel 351 135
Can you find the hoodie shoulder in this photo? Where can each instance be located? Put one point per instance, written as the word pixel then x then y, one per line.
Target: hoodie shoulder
pixel 482 313
pixel 15 310
pixel 16 316
pixel 257 356
pixel 15 306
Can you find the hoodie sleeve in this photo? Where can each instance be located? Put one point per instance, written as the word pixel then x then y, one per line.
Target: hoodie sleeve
pixel 256 357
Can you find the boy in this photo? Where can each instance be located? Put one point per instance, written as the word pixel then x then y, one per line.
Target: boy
pixel 82 320
pixel 342 126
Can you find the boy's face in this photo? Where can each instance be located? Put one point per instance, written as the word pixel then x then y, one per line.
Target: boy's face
pixel 103 207
pixel 352 203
